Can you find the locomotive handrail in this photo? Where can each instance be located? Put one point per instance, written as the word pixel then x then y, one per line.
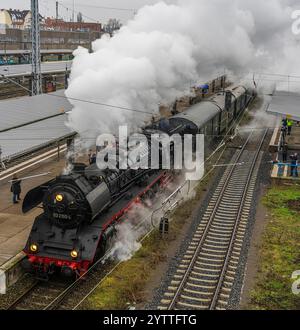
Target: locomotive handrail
pixel 178 190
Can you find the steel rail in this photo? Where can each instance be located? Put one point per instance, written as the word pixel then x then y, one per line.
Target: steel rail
pixel 206 231
pixel 23 296
pixel 227 258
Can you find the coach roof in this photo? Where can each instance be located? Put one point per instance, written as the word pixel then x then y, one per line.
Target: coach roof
pixel 200 113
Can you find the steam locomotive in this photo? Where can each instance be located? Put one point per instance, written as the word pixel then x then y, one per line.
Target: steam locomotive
pixel 81 209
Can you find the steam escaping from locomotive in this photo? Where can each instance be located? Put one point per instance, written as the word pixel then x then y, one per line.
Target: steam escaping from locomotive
pixel 128 234
pixel 167 48
pixel 141 219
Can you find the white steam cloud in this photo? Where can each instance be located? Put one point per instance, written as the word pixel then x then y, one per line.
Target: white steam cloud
pixel 166 49
pixel 142 217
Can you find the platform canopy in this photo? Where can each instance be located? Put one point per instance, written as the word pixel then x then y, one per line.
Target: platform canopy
pixel 285 104
pixel 29 123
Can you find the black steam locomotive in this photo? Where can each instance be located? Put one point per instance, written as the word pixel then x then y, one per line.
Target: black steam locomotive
pixel 82 208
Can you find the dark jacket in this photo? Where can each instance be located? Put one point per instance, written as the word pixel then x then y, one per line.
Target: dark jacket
pixel 284 122
pixel 16 187
pixel 285 148
pixel 294 160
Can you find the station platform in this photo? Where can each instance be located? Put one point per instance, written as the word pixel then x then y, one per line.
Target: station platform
pixel 13 233
pixel 293 140
pixel 280 172
pixel 14 225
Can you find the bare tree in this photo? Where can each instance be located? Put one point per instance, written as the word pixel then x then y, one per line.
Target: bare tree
pixel 79 18
pixel 112 26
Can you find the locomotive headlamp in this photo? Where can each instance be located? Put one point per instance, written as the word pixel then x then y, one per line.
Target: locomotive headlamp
pixel 33 247
pixel 59 197
pixel 74 254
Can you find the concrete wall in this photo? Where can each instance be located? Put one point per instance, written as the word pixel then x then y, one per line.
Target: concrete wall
pixel 11 272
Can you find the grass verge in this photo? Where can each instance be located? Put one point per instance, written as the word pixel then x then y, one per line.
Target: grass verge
pixel 279 254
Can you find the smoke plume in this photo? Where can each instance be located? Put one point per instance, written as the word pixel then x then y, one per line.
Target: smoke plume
pixel 167 48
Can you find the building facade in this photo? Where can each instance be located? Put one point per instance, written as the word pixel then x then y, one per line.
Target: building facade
pixel 15 18
pixel 61 25
pixel 55 33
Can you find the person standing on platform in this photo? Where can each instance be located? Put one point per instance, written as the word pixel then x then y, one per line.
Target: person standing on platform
pixel 294 164
pixel 16 189
pixel 289 126
pixel 284 122
pixel 284 132
pixel 285 149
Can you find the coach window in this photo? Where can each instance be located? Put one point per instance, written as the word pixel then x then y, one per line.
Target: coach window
pixel 216 125
pixel 206 130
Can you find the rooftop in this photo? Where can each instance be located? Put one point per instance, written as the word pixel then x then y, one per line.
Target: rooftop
pixel 285 104
pixel 26 125
pixel 24 110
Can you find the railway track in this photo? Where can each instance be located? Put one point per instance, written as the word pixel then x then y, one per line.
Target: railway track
pixel 59 293
pixel 38 295
pixel 55 294
pixel 206 274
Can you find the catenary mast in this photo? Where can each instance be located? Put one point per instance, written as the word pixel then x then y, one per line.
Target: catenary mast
pixel 35 54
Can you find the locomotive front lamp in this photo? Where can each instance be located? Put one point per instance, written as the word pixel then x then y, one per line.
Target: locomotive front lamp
pixel 74 254
pixel 59 197
pixel 33 247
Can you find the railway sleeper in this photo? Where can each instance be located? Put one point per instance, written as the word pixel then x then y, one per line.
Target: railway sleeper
pixel 199 293
pixel 190 298
pixel 191 306
pixel 202 286
pixel 217 241
pixel 215 246
pixel 215 252
pixel 200 262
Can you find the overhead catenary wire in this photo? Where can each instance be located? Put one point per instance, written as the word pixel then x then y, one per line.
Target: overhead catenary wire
pixel 31 177
pixel 72 10
pixel 81 100
pixel 103 7
pixel 65 6
pixel 98 103
pixel 276 74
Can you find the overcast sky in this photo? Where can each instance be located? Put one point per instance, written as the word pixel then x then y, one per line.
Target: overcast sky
pixel 47 8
